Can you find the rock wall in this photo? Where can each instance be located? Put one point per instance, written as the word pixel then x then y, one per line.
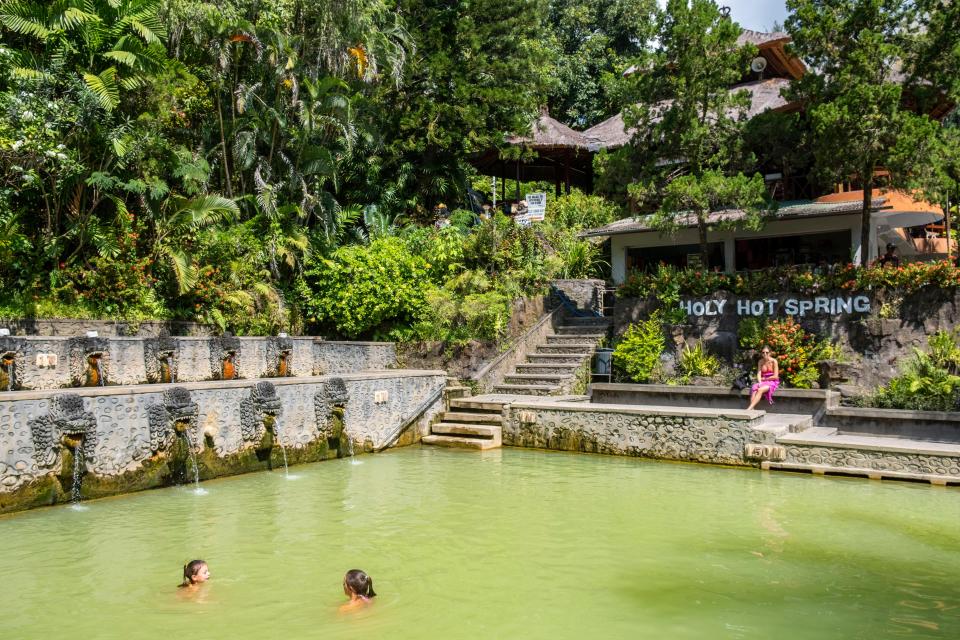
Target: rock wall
pixel 77 327
pixel 875 343
pixel 61 362
pixel 127 432
pixel 696 435
pixel 584 295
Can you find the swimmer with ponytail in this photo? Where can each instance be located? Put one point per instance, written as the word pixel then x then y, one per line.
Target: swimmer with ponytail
pixel 195 573
pixel 358 586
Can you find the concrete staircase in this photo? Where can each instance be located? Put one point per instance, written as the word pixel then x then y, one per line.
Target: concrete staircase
pixel 469 424
pixel 552 368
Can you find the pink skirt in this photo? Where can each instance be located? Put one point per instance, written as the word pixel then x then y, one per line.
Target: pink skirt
pixel 773 387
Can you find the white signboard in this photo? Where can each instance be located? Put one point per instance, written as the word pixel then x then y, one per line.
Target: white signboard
pixel 536 206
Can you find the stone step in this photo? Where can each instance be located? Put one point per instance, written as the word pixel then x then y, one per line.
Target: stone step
pixel 486 431
pixel 575 339
pixel 528 389
pixel 461 443
pixel 584 329
pixel 473 418
pixel 589 321
pixel 466 404
pixel 556 358
pixel 567 369
pixel 536 378
pixel 580 348
pixel 458 391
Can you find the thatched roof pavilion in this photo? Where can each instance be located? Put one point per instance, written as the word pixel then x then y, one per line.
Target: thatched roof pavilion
pixel 564 157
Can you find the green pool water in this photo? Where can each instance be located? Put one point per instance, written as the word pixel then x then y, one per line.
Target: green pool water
pixel 505 544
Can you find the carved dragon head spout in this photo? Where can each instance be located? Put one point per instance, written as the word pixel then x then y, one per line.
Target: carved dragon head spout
pixel 225 357
pixel 160 359
pixel 175 414
pixel 279 351
pixel 259 412
pixel 66 424
pixel 89 361
pixel 329 404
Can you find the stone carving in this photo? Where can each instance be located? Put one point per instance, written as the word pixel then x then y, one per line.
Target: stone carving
pixel 89 361
pixel 333 394
pixel 66 417
pixel 772 453
pixel 527 417
pixel 177 408
pixel 160 354
pixel 278 352
pixel 225 348
pixel 10 363
pixel 874 460
pixel 262 402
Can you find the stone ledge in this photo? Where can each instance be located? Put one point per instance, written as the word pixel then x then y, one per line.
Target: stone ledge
pixel 894 414
pixel 826 437
pixel 819 394
pixel 136 389
pixel 643 410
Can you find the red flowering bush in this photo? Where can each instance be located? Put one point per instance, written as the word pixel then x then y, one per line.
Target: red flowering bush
pixel 796 352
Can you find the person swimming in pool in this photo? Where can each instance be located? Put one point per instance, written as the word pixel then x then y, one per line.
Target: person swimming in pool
pixel 195 573
pixel 358 586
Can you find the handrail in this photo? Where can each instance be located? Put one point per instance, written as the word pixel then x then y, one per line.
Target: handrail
pixel 419 411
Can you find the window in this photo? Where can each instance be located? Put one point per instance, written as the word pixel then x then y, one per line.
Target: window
pixel 684 255
pixel 813 249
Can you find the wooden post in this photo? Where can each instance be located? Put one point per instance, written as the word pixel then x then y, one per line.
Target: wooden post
pixel 566 172
pixel 518 185
pixel 947 228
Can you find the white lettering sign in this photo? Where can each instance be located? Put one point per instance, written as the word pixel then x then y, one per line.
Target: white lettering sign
pixel 820 305
pixel 536 206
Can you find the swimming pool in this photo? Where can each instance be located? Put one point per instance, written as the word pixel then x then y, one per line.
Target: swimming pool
pixel 506 544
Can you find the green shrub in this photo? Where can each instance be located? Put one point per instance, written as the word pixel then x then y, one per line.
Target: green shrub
pixel 366 291
pixel 750 332
pixel 697 362
pixel 578 211
pixel 639 350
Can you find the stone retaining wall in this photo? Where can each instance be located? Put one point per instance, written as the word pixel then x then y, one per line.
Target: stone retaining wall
pixel 107 328
pixel 61 362
pixel 129 432
pixel 695 435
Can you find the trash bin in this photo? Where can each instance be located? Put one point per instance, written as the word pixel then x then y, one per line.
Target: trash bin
pixel 603 362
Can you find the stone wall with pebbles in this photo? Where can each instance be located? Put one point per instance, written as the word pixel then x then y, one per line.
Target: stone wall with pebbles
pixel 697 435
pixel 60 362
pixel 376 405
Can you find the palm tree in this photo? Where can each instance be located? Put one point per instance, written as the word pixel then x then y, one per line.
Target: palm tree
pixel 176 219
pixel 113 45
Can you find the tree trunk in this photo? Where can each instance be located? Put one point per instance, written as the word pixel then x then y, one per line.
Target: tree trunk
pixel 223 147
pixel 704 247
pixel 865 232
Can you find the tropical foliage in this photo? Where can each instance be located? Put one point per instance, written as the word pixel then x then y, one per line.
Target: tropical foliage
pixel 929 381
pixel 638 352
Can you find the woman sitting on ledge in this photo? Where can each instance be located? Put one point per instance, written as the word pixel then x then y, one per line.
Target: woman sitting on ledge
pixel 768 378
